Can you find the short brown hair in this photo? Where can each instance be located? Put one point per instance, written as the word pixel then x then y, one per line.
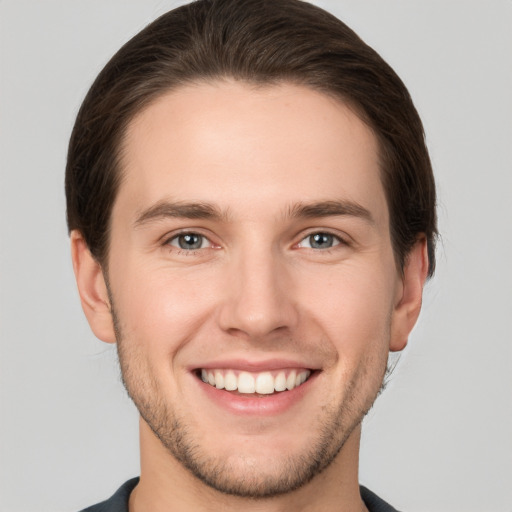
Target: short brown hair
pixel 256 41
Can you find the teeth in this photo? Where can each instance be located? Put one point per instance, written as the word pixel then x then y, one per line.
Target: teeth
pixel 301 378
pixel 264 383
pixel 246 383
pixel 230 381
pixel 291 380
pixel 280 382
pixel 219 380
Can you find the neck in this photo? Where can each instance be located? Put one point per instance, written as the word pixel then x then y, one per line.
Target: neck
pixel 165 485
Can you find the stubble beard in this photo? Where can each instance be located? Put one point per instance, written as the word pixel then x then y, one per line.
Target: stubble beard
pixel 291 473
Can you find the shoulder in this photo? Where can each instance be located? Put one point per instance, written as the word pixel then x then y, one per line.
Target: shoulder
pixel 374 503
pixel 118 502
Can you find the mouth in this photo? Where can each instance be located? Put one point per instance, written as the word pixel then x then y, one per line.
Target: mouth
pixel 255 383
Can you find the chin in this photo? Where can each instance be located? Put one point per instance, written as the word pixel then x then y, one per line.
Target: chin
pixel 254 466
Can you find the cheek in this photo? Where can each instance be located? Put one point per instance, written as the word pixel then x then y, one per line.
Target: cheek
pixel 354 306
pixel 161 309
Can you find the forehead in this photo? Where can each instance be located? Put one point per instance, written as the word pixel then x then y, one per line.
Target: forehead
pixel 245 147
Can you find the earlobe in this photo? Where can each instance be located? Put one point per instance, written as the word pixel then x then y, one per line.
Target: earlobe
pixel 409 297
pixel 92 289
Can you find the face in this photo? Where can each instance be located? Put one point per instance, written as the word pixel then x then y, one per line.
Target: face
pixel 252 280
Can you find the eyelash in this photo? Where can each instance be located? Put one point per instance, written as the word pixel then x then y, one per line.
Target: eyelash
pixel 187 251
pixel 337 241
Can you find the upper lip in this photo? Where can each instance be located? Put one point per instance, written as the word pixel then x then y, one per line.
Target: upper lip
pixel 252 365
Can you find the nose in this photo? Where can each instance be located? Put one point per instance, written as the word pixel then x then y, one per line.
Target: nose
pixel 258 297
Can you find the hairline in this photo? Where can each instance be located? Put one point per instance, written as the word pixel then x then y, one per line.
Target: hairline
pixel 120 142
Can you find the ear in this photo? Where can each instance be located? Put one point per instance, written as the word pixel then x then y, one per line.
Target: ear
pixel 92 289
pixel 409 295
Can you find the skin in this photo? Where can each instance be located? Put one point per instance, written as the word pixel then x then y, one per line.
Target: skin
pixel 255 291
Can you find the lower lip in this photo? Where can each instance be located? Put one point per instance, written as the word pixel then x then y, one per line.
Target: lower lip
pixel 257 405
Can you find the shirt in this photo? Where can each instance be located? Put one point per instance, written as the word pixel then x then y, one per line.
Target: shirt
pixel 118 502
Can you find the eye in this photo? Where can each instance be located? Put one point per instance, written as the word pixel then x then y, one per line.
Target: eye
pixel 189 241
pixel 319 241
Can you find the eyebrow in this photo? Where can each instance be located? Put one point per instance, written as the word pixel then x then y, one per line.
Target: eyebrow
pixel 166 209
pixel 203 210
pixel 330 209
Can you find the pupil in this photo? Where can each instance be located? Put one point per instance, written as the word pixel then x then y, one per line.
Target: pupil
pixel 320 240
pixel 190 241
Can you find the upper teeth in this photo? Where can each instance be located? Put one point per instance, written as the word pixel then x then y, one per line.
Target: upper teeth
pixel 263 383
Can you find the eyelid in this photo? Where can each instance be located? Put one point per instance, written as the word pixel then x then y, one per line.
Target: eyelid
pixel 166 239
pixel 175 238
pixel 342 239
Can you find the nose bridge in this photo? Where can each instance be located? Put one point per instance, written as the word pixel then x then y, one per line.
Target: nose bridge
pixel 258 301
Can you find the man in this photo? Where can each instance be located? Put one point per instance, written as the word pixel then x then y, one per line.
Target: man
pixel 252 217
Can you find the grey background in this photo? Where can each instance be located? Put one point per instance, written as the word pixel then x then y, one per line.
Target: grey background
pixel 440 437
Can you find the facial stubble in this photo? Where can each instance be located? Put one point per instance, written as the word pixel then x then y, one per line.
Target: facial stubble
pixel 175 434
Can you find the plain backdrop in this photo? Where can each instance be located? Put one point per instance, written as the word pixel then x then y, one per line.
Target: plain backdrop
pixel 439 438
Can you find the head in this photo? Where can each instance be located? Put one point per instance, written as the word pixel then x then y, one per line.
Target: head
pixel 250 197
pixel 258 43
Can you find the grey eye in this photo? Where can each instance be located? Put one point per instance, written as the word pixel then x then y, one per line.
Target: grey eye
pixel 189 241
pixel 320 241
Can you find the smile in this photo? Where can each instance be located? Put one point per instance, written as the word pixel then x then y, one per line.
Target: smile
pixel 263 383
